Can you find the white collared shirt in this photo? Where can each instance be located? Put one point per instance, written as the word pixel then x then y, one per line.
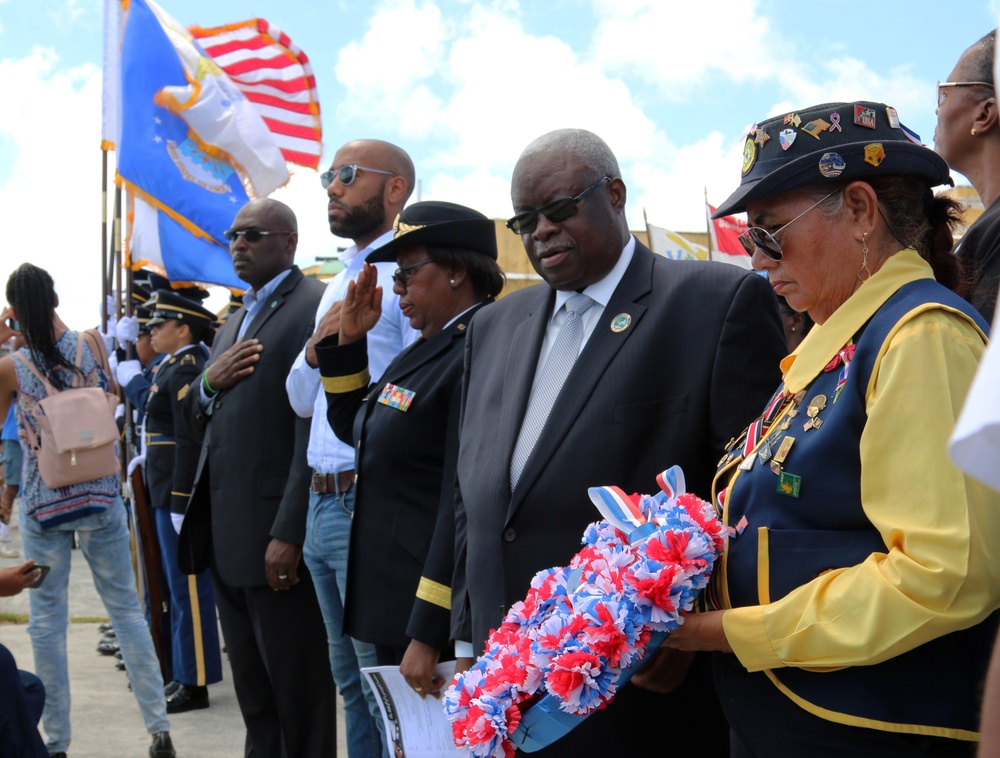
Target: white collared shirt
pixel 600 292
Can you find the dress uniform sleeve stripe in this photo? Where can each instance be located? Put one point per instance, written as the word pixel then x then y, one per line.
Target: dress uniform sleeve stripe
pixel 182 392
pixel 339 384
pixel 434 593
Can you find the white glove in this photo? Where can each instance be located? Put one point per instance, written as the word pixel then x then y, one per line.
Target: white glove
pixel 127 371
pixel 119 411
pixel 139 460
pixel 127 329
pixel 177 519
pixel 113 362
pixel 109 308
pixel 109 341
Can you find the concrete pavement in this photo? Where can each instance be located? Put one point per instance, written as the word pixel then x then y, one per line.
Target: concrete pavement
pixel 105 717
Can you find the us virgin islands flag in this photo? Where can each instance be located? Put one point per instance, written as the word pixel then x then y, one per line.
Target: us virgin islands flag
pixel 187 142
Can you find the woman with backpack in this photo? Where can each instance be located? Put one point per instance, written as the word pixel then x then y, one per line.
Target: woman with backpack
pixel 56 361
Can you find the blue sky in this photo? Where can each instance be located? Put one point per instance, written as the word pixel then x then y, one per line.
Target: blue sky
pixel 464 85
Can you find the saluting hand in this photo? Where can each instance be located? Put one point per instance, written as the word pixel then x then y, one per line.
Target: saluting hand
pixel 329 324
pixel 234 365
pixel 362 306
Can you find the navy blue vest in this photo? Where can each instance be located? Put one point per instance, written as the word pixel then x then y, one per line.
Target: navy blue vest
pixel 788 541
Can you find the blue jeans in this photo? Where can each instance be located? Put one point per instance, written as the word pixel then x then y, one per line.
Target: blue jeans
pixel 104 542
pixel 328 532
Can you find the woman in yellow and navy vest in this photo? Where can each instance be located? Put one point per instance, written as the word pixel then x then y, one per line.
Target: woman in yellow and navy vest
pixel 862 576
pixel 178 326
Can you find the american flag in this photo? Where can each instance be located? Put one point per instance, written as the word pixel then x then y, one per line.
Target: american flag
pixel 275 75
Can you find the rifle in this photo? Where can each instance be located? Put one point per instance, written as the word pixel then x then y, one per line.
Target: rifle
pixel 150 547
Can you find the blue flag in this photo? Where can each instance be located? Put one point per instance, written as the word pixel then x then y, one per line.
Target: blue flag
pixel 194 190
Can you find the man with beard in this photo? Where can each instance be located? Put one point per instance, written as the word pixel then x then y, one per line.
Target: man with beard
pixel 367 185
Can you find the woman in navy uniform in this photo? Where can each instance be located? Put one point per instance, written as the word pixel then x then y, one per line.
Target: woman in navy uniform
pixel 178 327
pixel 404 427
pixel 861 579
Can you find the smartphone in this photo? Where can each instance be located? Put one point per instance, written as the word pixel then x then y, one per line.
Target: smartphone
pixel 13 325
pixel 41 577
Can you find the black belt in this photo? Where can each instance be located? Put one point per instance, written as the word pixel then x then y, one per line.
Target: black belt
pixel 326 484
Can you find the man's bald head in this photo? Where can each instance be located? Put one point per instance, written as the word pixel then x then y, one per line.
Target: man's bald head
pixel 365 207
pixel 259 262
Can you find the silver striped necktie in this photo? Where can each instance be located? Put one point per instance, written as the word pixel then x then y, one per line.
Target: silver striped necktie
pixel 562 356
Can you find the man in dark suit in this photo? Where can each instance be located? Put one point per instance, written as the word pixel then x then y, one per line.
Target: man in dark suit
pixel 675 357
pixel 247 514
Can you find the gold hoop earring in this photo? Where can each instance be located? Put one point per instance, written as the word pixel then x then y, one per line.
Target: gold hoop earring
pixel 864 261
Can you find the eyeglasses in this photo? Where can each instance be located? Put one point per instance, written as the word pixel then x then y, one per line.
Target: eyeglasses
pixel 251 235
pixel 943 95
pixel 756 238
pixel 557 211
pixel 403 274
pixel 348 174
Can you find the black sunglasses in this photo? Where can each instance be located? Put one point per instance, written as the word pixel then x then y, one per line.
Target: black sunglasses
pixel 251 235
pixel 556 211
pixel 756 238
pixel 347 174
pixel 403 274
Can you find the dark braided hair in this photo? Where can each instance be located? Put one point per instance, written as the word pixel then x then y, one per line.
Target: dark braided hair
pixel 32 292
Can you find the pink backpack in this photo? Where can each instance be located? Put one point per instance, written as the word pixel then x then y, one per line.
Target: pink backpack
pixel 78 430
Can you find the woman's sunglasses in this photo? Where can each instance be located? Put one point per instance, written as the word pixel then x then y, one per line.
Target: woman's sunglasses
pixel 755 238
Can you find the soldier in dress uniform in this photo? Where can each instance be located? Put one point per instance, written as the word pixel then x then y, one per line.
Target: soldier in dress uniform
pixel 178 326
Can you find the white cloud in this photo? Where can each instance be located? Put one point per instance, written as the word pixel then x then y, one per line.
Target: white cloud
pixel 673 194
pixel 676 46
pixel 404 44
pixel 50 129
pixel 475 90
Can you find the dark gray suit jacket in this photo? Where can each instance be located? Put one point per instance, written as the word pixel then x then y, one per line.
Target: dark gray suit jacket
pixel 253 479
pixel 697 363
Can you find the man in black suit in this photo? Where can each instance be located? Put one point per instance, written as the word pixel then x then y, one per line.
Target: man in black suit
pixel 247 514
pixel 675 358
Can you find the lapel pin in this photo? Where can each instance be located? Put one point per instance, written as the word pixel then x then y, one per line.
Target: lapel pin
pixel 620 323
pixel 274 303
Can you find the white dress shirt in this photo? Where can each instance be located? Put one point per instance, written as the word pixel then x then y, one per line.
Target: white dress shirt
pixel 326 452
pixel 600 292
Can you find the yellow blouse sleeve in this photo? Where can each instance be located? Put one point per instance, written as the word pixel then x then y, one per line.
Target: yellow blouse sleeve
pixel 942 569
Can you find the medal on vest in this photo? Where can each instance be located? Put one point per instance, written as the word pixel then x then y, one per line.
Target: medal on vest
pixel 783 448
pixel 816 405
pixel 789 484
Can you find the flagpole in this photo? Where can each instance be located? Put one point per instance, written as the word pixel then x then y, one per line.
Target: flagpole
pixel 708 226
pixel 649 234
pixel 104 239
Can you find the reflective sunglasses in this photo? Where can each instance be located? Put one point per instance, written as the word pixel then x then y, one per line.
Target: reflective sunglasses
pixel 756 238
pixel 251 235
pixel 556 211
pixel 943 95
pixel 347 174
pixel 403 274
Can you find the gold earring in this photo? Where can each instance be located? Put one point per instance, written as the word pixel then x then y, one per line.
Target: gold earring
pixel 864 261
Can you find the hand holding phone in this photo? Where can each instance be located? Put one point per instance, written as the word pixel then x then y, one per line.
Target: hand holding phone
pixel 14 579
pixel 43 571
